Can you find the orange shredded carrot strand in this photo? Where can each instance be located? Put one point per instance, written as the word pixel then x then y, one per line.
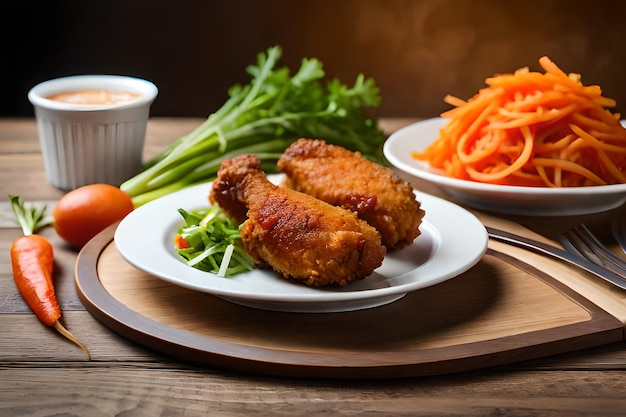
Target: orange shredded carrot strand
pixel 532 129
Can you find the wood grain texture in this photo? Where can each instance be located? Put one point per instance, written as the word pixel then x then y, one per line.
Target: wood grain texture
pixel 135 391
pixel 610 297
pixel 500 311
pixel 42 374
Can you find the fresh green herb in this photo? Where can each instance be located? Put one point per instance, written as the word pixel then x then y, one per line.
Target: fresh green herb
pixel 31 218
pixel 264 117
pixel 214 242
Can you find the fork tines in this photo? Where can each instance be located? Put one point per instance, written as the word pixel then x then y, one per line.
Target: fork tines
pixel 582 242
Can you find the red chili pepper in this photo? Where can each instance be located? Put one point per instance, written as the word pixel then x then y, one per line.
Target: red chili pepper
pixel 32 260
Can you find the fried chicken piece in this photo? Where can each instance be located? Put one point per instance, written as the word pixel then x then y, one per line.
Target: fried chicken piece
pixel 297 235
pixel 346 179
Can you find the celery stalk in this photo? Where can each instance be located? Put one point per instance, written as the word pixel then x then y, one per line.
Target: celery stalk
pixel 264 117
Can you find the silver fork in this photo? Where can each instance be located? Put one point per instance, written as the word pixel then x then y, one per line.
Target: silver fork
pixel 567 256
pixel 580 241
pixel 618 227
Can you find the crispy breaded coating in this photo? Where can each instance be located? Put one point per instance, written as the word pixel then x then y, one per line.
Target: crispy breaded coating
pixel 297 235
pixel 346 179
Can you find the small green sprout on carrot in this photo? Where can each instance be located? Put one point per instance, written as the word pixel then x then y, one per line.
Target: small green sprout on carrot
pixel 32 260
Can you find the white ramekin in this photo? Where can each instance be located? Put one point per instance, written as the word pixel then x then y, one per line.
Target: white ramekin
pixel 86 144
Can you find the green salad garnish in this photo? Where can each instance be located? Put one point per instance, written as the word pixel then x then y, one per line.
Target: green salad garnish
pixel 214 242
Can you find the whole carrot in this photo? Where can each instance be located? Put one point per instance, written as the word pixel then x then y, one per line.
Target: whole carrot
pixel 32 260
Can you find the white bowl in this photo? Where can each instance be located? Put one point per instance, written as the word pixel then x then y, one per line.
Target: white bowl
pixel 92 143
pixel 517 200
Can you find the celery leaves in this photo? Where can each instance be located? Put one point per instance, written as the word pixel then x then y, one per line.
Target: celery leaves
pixel 264 117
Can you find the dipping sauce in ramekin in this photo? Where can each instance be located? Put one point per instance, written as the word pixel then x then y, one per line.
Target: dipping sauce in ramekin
pixel 92 127
pixel 96 97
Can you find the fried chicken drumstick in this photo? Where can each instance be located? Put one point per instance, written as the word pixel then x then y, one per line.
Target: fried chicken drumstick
pixel 343 178
pixel 297 235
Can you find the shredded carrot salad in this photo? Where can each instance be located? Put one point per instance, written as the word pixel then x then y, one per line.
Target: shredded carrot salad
pixel 532 129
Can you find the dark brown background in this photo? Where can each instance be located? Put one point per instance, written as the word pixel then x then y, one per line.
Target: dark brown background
pixel 417 50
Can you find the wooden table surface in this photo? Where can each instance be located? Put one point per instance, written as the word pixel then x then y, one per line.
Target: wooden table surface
pixel 41 374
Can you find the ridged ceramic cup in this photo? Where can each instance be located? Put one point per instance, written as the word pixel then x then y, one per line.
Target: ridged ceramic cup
pixel 92 143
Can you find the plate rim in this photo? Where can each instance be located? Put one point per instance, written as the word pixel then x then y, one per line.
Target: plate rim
pixel 476 251
pixel 422 170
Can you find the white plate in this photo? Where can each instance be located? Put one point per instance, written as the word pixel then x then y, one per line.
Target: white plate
pixel 529 201
pixel 452 241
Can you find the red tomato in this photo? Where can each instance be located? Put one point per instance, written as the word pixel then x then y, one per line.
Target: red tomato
pixel 86 211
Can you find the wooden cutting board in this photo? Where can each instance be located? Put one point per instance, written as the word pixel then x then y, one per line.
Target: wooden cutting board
pixel 502 310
